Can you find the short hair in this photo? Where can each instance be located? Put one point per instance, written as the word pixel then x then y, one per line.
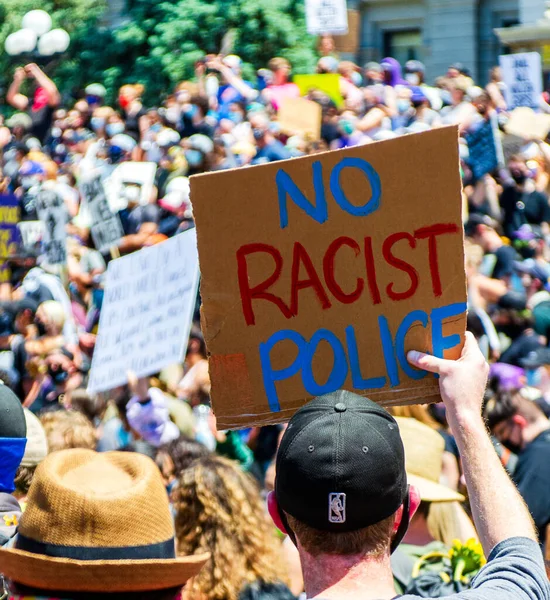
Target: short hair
pixel 278 63
pixel 68 429
pixel 91 406
pixel 168 594
pixel 505 404
pixel 369 541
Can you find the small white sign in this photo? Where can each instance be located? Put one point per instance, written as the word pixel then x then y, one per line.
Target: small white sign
pixel 131 183
pixel 147 311
pixel 522 78
pixel 326 17
pixel 105 227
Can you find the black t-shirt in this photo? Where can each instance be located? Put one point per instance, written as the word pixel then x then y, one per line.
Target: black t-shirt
pixel 520 208
pixel 504 266
pixel 41 122
pixel 532 476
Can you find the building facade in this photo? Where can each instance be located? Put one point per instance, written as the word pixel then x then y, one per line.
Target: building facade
pixel 439 32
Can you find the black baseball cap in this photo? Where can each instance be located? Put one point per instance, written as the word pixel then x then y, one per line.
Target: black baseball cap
pixel 12 418
pixel 341 464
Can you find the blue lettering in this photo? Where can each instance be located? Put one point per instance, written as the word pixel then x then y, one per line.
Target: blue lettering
pixel 439 341
pixel 287 187
pixel 373 203
pixel 415 316
pixel 269 375
pixel 339 371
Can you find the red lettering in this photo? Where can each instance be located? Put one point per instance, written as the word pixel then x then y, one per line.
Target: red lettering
pixel 430 233
pixel 259 292
pixel 371 272
pixel 300 256
pixel 328 270
pixel 400 264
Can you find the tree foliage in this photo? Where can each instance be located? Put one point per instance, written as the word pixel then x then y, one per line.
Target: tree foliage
pixel 158 42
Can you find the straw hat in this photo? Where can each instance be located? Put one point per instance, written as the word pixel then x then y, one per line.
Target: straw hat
pixel 97 523
pixel 423 460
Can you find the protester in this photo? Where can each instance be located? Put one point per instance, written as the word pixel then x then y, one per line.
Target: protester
pixel 120 555
pixel 346 525
pixel 215 493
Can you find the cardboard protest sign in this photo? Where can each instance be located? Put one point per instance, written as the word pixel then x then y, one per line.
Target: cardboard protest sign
pixel 527 124
pixel 130 183
pixel 147 311
pixel 522 77
pixel 326 16
pixel 9 234
pixel 338 264
pixel 328 83
pixel 53 214
pixel 301 116
pixel 106 228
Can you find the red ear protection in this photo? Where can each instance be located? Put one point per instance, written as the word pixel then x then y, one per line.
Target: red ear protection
pixel 273 509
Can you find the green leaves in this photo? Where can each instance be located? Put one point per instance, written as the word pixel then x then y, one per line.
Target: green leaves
pixel 158 43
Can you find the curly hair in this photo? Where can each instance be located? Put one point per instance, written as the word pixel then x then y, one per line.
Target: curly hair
pixel 219 510
pixel 68 429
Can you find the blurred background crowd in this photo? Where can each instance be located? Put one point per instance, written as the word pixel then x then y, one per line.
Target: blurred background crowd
pixel 219 120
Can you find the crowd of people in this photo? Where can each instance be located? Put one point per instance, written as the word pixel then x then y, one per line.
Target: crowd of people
pixel 134 493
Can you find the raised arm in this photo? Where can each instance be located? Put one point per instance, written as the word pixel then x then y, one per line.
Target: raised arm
pixel 498 510
pixel 14 96
pixel 45 83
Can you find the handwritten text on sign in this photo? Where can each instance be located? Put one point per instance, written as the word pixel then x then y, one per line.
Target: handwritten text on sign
pixel 147 311
pixel 347 260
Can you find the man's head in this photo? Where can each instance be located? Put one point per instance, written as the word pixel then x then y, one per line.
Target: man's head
pixel 513 419
pixel 96 523
pixel 341 486
pixel 483 231
pixel 13 437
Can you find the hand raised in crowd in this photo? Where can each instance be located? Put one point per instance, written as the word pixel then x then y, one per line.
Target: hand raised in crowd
pixel 20 74
pixel 461 382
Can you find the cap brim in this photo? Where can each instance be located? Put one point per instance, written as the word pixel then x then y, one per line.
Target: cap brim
pixel 47 573
pixel 430 491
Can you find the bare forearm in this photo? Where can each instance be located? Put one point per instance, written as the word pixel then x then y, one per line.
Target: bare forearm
pixel 499 511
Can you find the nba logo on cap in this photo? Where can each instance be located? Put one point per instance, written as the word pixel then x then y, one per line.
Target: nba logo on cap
pixel 337 507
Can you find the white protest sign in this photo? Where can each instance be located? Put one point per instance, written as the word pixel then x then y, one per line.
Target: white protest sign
pixel 32 233
pixel 326 16
pixel 106 228
pixel 130 183
pixel 522 77
pixel 53 214
pixel 147 311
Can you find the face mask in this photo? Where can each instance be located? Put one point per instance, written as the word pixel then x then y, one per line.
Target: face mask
pixel 236 117
pixel 413 78
pixel 403 105
pixel 172 115
pixel 346 127
pixel 194 157
pixel 41 328
pixel 28 182
pixel 519 177
pixel 113 129
pixel 58 376
pixel 155 128
pixel 514 448
pixel 356 79
pixel 123 102
pixel 97 123
pixel 190 111
pixel 258 134
pixel 56 132
pixel 132 193
pixel 534 377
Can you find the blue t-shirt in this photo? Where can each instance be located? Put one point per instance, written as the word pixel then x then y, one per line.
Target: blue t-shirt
pixel 270 153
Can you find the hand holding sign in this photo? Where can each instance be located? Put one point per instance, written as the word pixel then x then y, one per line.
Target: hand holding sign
pixel 344 262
